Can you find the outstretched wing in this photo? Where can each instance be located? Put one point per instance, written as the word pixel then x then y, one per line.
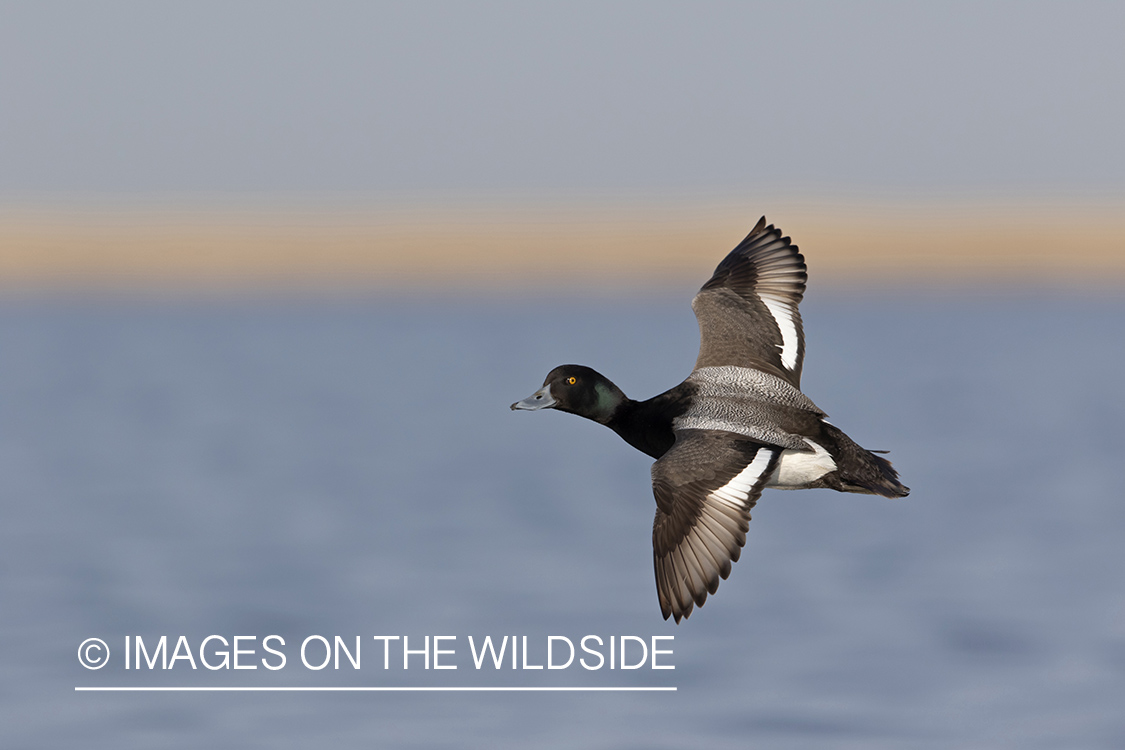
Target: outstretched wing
pixel 747 312
pixel 705 486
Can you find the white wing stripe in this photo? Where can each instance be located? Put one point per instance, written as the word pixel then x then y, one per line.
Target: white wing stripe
pixel 737 490
pixel 783 315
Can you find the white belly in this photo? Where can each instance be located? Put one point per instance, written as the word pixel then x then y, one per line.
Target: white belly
pixel 797 469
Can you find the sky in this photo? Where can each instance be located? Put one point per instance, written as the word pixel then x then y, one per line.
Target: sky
pixel 262 98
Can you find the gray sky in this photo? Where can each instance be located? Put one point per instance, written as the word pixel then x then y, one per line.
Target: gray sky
pixel 645 97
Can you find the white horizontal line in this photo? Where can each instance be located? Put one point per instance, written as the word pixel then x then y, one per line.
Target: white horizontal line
pixel 381 689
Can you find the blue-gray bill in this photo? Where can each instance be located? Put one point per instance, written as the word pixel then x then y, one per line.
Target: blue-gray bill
pixel 541 399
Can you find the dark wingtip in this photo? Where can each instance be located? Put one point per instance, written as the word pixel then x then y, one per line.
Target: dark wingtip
pixel 758 229
pixel 669 612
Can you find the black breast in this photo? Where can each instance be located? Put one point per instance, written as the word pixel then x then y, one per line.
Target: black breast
pixel 647 425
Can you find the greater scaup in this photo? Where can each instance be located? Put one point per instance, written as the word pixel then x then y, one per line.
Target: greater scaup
pixel 737 425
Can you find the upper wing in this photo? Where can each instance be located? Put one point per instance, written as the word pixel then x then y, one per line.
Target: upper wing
pixel 748 313
pixel 705 486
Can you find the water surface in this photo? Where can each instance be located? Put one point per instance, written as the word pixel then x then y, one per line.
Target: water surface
pixel 352 468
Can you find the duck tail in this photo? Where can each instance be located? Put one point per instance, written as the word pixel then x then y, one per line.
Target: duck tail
pixel 859 470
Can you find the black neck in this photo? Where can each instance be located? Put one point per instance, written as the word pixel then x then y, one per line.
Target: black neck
pixel 647 425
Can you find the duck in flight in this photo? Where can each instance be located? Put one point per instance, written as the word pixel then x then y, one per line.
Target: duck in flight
pixel 737 425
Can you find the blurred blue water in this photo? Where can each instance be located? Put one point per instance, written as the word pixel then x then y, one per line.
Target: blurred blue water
pixel 352 468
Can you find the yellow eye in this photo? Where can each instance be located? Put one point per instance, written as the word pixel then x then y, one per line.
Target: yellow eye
pixel 572 380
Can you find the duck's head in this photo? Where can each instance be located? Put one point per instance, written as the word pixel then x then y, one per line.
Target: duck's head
pixel 576 389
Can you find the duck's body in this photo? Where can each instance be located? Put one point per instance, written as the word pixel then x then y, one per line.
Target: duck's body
pixel 737 425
